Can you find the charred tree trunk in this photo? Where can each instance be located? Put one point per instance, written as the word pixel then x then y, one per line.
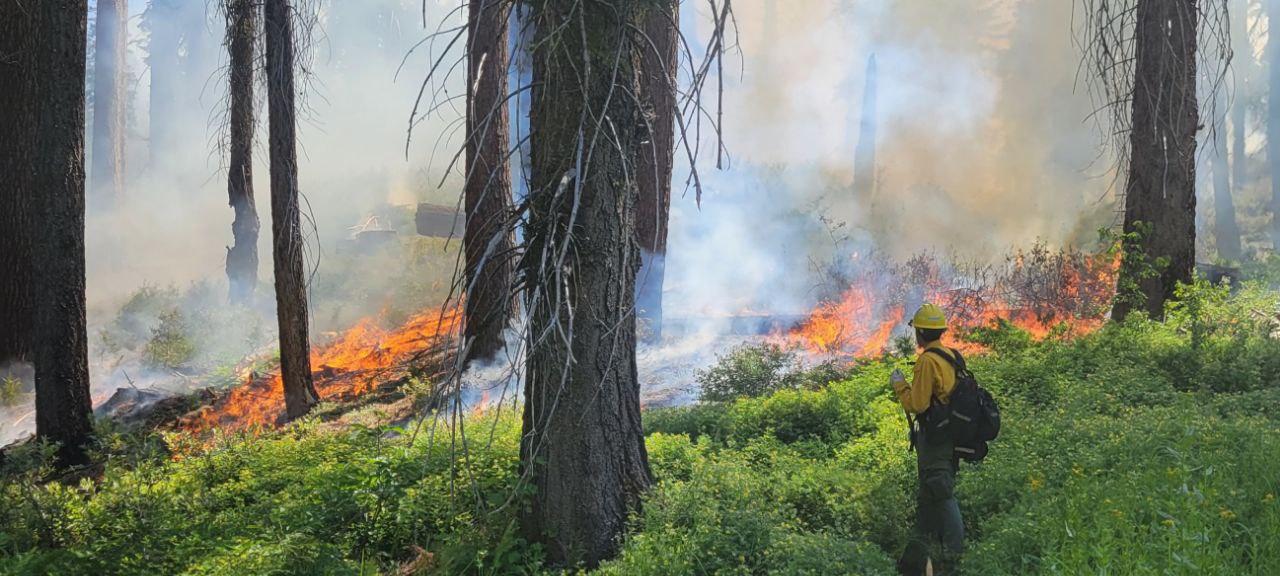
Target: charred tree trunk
pixel 242 256
pixel 163 61
pixel 107 175
pixel 286 216
pixel 1226 233
pixel 864 157
pixel 654 163
pixel 42 164
pixel 487 239
pixel 1160 199
pixel 583 448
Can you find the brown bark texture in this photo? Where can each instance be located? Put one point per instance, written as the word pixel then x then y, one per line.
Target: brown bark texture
pixel 487 238
pixel 658 61
pixel 112 29
pixel 582 449
pixel 242 256
pixel 1160 190
pixel 42 162
pixel 286 215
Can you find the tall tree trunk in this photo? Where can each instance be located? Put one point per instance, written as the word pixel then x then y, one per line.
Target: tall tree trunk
pixel 163 61
pixel 1160 199
pixel 42 168
pixel 242 256
pixel 655 161
pixel 1226 233
pixel 1273 119
pixel 286 216
pixel 864 156
pixel 487 239
pixel 583 448
pixel 107 176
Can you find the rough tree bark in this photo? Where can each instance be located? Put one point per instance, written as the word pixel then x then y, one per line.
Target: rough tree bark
pixel 1273 120
pixel 582 448
pixel 487 239
pixel 1160 191
pixel 42 68
pixel 112 29
pixel 242 256
pixel 286 216
pixel 654 163
pixel 864 156
pixel 164 63
pixel 1226 233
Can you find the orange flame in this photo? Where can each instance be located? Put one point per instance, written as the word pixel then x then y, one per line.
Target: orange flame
pixel 348 367
pixel 1039 292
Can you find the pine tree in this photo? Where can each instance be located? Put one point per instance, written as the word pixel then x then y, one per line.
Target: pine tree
pixel 42 196
pixel 1160 200
pixel 487 238
pixel 286 214
pixel 242 256
pixel 655 161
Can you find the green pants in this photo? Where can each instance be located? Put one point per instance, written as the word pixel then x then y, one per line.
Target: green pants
pixel 937 512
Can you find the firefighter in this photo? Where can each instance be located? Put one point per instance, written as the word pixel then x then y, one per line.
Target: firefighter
pixel 937 512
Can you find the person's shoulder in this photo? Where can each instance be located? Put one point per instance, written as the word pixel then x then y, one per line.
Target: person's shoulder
pixel 932 355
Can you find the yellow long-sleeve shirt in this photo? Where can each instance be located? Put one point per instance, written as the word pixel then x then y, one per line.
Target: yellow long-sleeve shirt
pixel 933 378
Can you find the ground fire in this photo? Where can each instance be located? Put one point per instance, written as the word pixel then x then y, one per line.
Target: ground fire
pixel 354 364
pixel 1038 290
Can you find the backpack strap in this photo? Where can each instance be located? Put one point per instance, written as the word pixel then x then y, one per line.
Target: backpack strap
pixel 954 359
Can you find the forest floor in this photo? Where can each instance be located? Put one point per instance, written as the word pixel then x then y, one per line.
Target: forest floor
pixel 1143 448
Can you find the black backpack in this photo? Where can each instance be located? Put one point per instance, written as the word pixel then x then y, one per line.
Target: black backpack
pixel 971 418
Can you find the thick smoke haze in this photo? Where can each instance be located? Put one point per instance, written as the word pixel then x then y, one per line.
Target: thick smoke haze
pixel 983 142
pixel 173 224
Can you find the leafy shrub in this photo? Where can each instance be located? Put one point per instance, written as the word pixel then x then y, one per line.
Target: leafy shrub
pixel 137 318
pixel 732 517
pixel 11 390
pixel 749 371
pixel 1002 337
pixel 289 555
pixel 169 347
pixel 1129 450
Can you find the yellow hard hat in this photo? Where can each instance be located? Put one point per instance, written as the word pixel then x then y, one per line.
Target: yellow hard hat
pixel 929 316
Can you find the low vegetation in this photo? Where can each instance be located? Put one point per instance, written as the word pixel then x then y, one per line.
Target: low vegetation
pixel 1146 447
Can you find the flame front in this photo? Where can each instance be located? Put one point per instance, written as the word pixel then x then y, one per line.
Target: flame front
pixel 349 367
pixel 1037 291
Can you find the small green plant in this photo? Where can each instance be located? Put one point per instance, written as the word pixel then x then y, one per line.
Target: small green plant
pixel 749 371
pixel 170 346
pixel 1136 266
pixel 1002 336
pixel 11 391
pixel 137 318
pixel 420 391
pixel 903 346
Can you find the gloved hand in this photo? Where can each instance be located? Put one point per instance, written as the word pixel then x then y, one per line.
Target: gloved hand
pixel 897 380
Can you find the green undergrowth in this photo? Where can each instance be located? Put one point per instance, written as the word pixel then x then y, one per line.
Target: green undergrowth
pixel 1144 448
